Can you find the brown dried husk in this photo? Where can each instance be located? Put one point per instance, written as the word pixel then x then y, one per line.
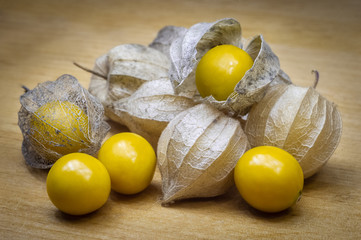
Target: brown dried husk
pixel 65 88
pixel 197 153
pixel 298 120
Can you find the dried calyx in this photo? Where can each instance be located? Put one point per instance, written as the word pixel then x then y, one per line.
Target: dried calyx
pixel 298 120
pixel 127 67
pixel 149 109
pixel 197 153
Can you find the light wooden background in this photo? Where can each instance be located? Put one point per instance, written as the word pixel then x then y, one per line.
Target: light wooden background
pixel 40 39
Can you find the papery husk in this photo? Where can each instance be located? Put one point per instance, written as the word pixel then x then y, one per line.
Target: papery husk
pixel 148 110
pixel 98 82
pixel 281 78
pixel 131 65
pixel 187 50
pixel 65 89
pixel 165 37
pixel 197 153
pixel 252 87
pixel 298 120
pixel 125 68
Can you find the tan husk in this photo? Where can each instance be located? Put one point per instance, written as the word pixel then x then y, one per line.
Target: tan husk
pixel 126 67
pixel 165 37
pixel 131 66
pixel 298 120
pixel 197 153
pixel 99 85
pixel 135 89
pixel 149 109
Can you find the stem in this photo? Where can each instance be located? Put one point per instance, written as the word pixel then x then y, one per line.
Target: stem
pixel 90 71
pixel 317 77
pixel 26 89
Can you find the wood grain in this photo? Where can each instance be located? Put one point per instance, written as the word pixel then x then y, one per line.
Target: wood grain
pixel 40 39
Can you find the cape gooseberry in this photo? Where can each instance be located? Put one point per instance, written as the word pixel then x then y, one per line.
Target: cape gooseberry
pixel 298 120
pixel 58 128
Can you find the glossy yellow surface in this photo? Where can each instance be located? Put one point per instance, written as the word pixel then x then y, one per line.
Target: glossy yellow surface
pixel 220 69
pixel 78 184
pixel 130 161
pixel 269 178
pixel 58 128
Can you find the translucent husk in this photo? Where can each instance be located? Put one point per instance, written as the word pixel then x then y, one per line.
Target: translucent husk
pixel 148 110
pixel 134 87
pixel 65 89
pixel 124 69
pixel 298 120
pixel 197 153
pixel 165 37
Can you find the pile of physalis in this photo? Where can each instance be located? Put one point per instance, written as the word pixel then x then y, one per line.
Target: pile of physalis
pixel 218 110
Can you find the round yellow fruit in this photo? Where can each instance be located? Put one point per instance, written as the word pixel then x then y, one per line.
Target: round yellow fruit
pixel 130 160
pixel 269 178
pixel 78 184
pixel 220 69
pixel 58 128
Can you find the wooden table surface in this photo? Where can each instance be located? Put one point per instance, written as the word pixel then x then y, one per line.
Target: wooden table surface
pixel 40 39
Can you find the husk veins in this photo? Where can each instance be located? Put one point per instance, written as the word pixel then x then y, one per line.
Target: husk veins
pixel 298 120
pixel 65 88
pixel 197 152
